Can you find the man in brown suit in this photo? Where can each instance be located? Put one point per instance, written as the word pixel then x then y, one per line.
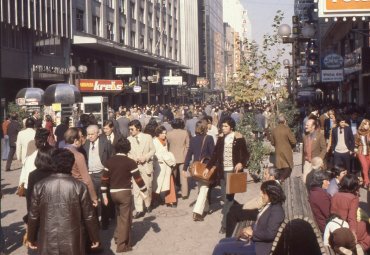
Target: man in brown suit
pixel 314 145
pixel 178 141
pixel 283 140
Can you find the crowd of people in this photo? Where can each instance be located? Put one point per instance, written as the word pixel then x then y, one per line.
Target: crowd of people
pixel 140 158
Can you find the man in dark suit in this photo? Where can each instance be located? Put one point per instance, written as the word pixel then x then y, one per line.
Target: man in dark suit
pixel 343 143
pixel 98 151
pixel 123 124
pixel 37 119
pixel 110 133
pixel 13 130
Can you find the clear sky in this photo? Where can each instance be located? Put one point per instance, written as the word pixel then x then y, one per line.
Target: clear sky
pixel 262 12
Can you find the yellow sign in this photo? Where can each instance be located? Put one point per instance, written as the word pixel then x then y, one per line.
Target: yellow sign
pixel 56 107
pixel 344 8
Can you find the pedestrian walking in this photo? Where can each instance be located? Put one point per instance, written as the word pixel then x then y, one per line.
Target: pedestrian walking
pixel 117 179
pixel 5 148
pixel 362 147
pixel 230 155
pixel 142 152
pixel 178 143
pixel 284 141
pixel 56 229
pixel 13 130
pixel 24 137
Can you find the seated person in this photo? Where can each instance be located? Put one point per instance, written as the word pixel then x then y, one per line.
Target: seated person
pixel 249 210
pixel 263 233
pixel 338 173
pixel 345 204
pixel 319 199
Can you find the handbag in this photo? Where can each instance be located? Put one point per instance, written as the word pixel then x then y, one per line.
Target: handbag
pixel 236 183
pixel 197 169
pixel 21 191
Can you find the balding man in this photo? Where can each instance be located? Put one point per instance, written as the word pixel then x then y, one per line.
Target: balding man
pixel 284 141
pixel 314 145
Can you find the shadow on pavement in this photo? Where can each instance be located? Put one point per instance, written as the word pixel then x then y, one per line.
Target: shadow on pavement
pixel 13 236
pixel 9 191
pixel 5 213
pixel 140 228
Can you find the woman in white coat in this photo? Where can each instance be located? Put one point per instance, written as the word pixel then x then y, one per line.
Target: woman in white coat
pixel 163 163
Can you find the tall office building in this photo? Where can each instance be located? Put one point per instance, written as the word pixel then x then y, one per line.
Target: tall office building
pixel 237 17
pixel 211 42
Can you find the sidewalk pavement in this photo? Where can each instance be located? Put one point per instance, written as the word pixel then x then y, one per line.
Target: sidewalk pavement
pixel 164 231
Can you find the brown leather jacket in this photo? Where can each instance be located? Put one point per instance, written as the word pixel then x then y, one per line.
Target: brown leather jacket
pixel 60 211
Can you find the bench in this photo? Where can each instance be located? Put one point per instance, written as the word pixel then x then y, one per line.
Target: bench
pixel 298 233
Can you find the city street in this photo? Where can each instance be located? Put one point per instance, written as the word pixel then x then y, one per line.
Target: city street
pixel 164 231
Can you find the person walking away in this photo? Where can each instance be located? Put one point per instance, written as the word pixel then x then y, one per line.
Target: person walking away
pixel 142 152
pixel 60 130
pixel 230 155
pixel 13 129
pixel 117 179
pixel 284 141
pixel 24 137
pixel 6 148
pixel 362 149
pixel 123 124
pixel 178 144
pixel 55 229
pixel 314 145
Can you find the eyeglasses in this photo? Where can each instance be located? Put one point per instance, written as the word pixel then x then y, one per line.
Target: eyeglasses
pixel 131 129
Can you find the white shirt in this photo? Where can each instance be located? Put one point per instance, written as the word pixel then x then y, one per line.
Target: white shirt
pixel 332 226
pixel 95 165
pixel 27 168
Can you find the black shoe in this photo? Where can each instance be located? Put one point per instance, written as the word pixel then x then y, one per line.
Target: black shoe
pixel 185 197
pixel 139 215
pixel 222 230
pixel 197 217
pixel 149 209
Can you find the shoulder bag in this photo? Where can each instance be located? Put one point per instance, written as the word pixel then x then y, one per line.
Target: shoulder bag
pixel 197 168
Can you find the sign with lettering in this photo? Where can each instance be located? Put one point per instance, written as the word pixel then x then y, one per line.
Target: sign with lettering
pixel 343 8
pixel 332 75
pixel 172 80
pixel 333 61
pixel 107 86
pixel 123 70
pixel 49 69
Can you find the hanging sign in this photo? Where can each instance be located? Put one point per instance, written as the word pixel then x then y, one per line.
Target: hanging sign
pixel 91 85
pixel 343 8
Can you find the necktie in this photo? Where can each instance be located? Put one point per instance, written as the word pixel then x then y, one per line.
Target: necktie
pixel 137 140
pixel 109 139
pixel 93 146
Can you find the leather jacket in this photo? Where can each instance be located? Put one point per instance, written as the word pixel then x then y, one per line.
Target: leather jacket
pixel 60 211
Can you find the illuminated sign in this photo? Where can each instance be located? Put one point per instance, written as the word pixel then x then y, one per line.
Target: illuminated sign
pixel 91 85
pixel 344 8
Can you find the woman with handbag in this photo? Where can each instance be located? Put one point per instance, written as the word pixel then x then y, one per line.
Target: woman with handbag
pixel 163 162
pixel 200 149
pixel 230 155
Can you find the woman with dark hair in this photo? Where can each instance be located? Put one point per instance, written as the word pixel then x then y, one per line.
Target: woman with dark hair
pixel 117 177
pixel 345 204
pixel 163 161
pixel 230 155
pixel 319 199
pixel 200 148
pixel 151 126
pixel 61 129
pixel 178 143
pixel 362 149
pixel 263 233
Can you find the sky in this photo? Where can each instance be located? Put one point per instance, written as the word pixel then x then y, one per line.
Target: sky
pixel 262 12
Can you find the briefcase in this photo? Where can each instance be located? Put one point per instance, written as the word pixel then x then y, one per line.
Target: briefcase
pixel 236 183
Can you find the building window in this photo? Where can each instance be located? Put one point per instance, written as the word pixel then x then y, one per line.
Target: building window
pixel 170 31
pixel 150 46
pixel 79 20
pixel 133 11
pixel 110 34
pixel 122 6
pixel 133 38
pixel 122 35
pixel 141 15
pixel 110 3
pixel 157 22
pixel 174 13
pixel 96 25
pixel 141 43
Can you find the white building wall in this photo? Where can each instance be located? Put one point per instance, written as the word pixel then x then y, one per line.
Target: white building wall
pixel 189 43
pixel 237 17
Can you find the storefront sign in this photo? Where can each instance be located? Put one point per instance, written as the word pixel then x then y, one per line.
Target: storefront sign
pixel 343 8
pixel 172 80
pixel 27 101
pixel 123 70
pixel 91 85
pixel 49 69
pixel 333 61
pixel 202 82
pixel 332 75
pixel 57 107
pixel 137 89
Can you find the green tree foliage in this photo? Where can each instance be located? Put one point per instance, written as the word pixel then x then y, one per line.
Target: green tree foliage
pixel 21 111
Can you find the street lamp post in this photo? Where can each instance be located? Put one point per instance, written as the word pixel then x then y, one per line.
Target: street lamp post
pixel 286 64
pixel 184 83
pixel 148 80
pixel 73 71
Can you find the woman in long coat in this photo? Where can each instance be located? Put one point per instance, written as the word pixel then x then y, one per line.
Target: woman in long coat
pixel 163 162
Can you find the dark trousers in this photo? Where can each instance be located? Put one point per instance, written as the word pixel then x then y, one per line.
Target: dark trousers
pixel 123 203
pixel 285 173
pixel 343 159
pixel 105 211
pixel 228 200
pixel 10 157
pixel 237 214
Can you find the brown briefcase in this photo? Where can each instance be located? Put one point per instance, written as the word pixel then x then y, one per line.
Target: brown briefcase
pixel 236 183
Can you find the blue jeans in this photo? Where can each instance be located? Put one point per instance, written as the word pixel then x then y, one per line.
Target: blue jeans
pixel 5 148
pixel 234 246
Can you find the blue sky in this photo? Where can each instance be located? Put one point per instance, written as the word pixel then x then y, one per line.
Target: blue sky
pixel 261 14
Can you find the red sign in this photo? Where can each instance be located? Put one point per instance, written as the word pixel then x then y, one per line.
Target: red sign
pixel 91 85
